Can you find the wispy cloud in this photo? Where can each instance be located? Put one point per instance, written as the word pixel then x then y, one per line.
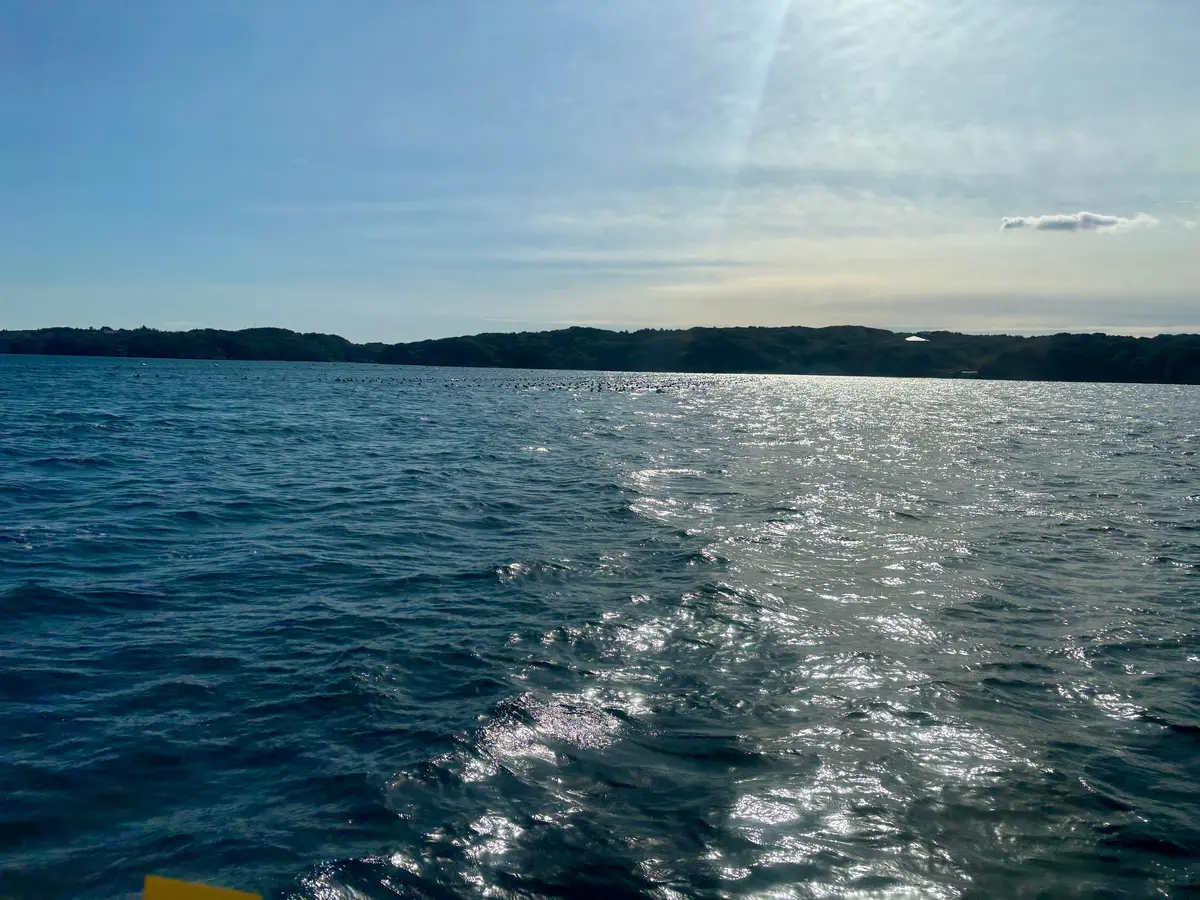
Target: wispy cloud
pixel 1080 221
pixel 350 208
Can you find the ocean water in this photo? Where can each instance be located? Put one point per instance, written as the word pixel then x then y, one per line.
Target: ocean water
pixel 333 631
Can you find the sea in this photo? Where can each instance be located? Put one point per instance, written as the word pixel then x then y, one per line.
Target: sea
pixel 352 632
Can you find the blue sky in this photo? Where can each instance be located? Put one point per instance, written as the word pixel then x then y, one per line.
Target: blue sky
pixel 414 168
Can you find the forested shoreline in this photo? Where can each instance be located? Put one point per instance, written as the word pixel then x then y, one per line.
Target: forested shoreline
pixel 837 350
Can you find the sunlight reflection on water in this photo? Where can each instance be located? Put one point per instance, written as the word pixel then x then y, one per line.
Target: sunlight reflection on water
pixel 746 637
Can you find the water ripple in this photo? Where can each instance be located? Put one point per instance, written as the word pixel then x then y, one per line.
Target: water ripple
pixel 354 632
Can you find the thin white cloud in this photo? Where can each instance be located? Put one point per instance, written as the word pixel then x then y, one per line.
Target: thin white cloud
pixel 351 208
pixel 1080 221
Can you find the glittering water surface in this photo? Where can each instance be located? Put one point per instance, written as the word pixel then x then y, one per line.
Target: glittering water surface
pixel 355 632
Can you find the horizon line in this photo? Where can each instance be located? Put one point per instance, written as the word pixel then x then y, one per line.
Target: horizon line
pixel 622 330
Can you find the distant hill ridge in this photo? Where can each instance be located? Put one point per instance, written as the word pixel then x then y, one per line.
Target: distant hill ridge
pixel 836 350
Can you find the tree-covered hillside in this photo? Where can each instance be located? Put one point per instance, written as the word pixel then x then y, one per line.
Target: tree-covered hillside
pixel 201 343
pixel 841 350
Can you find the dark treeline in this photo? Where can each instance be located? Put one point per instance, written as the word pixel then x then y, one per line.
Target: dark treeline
pixel 201 343
pixel 841 350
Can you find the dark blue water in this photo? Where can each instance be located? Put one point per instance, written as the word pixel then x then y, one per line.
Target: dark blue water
pixel 356 632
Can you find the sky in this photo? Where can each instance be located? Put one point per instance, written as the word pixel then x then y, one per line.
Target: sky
pixel 401 169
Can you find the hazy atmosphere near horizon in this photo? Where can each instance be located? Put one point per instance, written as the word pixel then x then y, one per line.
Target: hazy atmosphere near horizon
pixel 400 170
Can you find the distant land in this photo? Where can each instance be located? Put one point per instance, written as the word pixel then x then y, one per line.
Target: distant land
pixel 838 350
